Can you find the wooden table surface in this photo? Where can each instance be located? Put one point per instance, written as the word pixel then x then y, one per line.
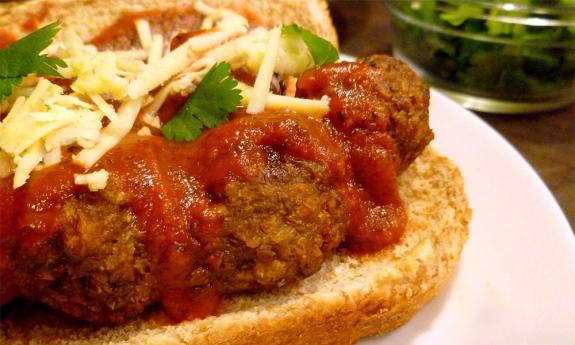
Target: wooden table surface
pixel 546 140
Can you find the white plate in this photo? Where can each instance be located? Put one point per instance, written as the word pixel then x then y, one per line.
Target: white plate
pixel 515 283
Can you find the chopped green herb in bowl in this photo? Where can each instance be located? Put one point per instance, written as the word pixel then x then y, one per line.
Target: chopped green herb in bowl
pixel 499 56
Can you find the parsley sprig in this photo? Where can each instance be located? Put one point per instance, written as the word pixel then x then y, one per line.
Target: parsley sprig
pixel 23 57
pixel 321 51
pixel 215 97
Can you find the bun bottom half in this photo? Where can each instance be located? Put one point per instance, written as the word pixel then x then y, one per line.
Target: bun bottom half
pixel 349 298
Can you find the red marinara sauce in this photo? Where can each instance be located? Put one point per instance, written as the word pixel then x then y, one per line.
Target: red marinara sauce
pixel 122 34
pixel 172 187
pixel 379 218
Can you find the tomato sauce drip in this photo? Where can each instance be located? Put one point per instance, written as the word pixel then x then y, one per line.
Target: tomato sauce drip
pixel 171 106
pixel 179 304
pixel 122 35
pixel 379 217
pixel 8 237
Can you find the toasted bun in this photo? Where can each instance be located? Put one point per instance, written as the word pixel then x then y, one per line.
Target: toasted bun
pixel 89 17
pixel 350 297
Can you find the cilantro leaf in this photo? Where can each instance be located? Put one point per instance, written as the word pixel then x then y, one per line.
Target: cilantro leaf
pixel 322 51
pixel 463 13
pixel 6 85
pixel 215 97
pixel 23 57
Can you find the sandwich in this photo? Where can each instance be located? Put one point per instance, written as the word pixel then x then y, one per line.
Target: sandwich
pixel 208 172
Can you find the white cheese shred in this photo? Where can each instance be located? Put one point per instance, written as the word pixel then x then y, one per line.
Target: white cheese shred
pixel 144 131
pixel 144 33
pixel 104 107
pixel 26 163
pixel 152 120
pixel 158 101
pixel 111 134
pixel 262 85
pixel 53 156
pixel 158 72
pixel 137 54
pixel 310 107
pixel 290 86
pixel 155 52
pixel 6 166
pixel 95 181
pixel 207 24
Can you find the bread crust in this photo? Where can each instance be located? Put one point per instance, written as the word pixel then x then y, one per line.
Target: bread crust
pixel 14 16
pixel 349 298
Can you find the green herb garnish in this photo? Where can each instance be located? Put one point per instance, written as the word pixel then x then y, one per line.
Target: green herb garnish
pixel 466 43
pixel 23 57
pixel 215 97
pixel 321 50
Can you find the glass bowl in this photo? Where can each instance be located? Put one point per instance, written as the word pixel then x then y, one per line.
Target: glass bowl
pixel 514 56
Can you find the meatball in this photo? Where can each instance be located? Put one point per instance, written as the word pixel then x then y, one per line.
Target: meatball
pixel 279 228
pixel 377 95
pixel 276 229
pixel 95 268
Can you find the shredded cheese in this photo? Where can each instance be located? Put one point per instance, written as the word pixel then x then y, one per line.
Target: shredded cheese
pixel 6 166
pixel 152 120
pixel 228 25
pixel 176 61
pixel 207 24
pixel 136 54
pixel 30 121
pixel 262 85
pixel 225 19
pixel 97 72
pixel 106 108
pixel 156 48
pixel 153 108
pixel 311 107
pixel 144 33
pixel 38 126
pixel 111 135
pixel 53 157
pixel 290 86
pixel 26 163
pixel 144 131
pixel 244 51
pixel 95 181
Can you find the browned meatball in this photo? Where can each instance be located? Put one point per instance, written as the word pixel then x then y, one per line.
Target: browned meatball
pixel 377 95
pixel 279 228
pixel 95 268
